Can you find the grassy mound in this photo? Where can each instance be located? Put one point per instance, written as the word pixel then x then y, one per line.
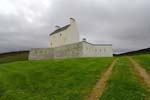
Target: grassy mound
pixel 14 56
pixel 64 79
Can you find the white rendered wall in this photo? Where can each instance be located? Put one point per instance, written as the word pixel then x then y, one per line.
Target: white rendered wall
pixel 68 36
pixel 80 49
pixel 91 50
pixel 58 39
pixel 73 34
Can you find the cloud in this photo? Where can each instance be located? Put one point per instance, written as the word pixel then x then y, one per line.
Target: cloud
pixel 26 24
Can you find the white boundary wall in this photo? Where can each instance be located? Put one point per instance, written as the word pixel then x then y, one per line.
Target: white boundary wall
pixel 75 50
pixel 97 50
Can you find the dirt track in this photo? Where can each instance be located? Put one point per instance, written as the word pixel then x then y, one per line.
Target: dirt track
pixel 100 85
pixel 141 71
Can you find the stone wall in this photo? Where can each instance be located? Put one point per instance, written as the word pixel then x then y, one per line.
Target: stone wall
pixel 80 49
pixel 97 50
pixel 41 53
pixel 68 51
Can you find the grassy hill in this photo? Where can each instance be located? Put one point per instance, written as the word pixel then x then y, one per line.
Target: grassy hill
pixel 70 79
pixel 64 79
pixel 136 52
pixel 14 56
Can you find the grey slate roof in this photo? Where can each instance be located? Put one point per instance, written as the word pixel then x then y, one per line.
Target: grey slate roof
pixel 60 29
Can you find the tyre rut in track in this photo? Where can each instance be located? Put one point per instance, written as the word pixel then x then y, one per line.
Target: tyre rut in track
pixel 100 85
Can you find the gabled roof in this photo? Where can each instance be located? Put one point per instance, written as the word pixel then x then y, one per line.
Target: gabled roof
pixel 60 29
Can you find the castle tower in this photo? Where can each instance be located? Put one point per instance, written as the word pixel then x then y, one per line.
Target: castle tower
pixel 65 35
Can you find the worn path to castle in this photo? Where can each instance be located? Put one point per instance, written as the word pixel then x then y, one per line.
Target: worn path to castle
pixel 100 86
pixel 141 72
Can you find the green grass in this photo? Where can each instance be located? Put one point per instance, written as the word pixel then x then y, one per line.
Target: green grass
pixel 68 79
pixel 144 61
pixel 64 79
pixel 123 84
pixel 12 57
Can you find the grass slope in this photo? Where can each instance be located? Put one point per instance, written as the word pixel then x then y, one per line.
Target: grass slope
pixel 14 56
pixel 144 61
pixel 64 79
pixel 136 52
pixel 123 84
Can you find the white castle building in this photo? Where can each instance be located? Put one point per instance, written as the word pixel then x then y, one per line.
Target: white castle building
pixel 65 35
pixel 65 43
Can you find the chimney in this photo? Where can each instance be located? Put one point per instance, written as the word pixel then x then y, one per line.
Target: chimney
pixel 84 40
pixel 72 20
pixel 57 27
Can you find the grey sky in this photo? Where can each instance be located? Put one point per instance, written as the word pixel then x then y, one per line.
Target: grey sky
pixel 27 24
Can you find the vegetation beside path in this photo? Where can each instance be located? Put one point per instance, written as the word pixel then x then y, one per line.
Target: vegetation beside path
pixel 64 79
pixel 144 61
pixel 141 72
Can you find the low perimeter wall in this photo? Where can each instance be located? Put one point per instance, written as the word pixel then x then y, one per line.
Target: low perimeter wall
pixel 97 50
pixel 80 49
pixel 67 51
pixel 41 53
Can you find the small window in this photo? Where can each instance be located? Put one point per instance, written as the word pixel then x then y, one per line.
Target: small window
pixel 35 52
pixel 95 50
pixel 99 50
pixel 60 34
pixel 87 48
pixel 41 51
pixel 104 50
pixel 51 44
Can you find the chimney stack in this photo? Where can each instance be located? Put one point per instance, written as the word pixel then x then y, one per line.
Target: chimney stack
pixel 72 20
pixel 84 40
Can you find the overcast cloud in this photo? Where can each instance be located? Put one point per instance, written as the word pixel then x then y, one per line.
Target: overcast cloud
pixel 26 24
